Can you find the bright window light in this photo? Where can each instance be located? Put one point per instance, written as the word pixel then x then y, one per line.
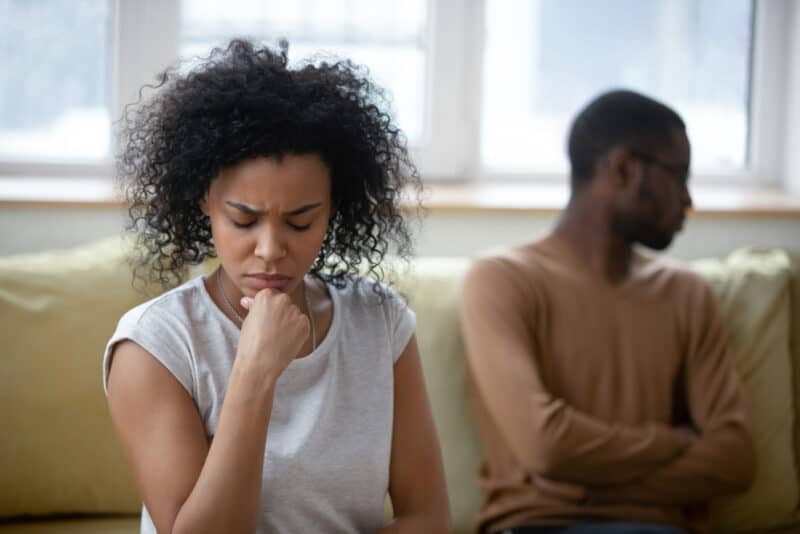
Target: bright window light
pixel 54 81
pixel 387 36
pixel 545 59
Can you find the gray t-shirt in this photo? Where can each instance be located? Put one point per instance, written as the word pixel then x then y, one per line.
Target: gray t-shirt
pixel 326 462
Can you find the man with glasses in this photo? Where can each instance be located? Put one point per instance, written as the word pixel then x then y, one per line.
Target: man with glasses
pixel 606 398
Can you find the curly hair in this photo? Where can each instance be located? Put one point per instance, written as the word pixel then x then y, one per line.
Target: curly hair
pixel 244 101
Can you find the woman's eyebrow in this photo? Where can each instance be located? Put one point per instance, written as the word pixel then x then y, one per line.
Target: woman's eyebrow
pixel 303 209
pixel 244 208
pixel 252 211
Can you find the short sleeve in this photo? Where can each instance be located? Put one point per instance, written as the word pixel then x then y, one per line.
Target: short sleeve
pixel 160 334
pixel 402 323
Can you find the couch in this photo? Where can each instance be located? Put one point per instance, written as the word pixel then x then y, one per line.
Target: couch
pixel 61 468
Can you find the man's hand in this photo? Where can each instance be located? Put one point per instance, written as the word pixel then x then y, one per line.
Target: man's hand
pixel 563 491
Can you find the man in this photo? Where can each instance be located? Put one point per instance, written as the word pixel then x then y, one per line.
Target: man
pixel 605 396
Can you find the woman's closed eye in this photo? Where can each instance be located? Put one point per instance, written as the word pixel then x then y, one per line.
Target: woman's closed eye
pixel 292 225
pixel 238 224
pixel 299 227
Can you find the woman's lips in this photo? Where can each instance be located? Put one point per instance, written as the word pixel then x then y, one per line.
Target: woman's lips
pixel 259 281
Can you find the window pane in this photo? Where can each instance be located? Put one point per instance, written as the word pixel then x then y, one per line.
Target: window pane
pixel 54 81
pixel 544 59
pixel 386 35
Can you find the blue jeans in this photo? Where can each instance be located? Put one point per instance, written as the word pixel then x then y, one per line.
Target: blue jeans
pixel 597 528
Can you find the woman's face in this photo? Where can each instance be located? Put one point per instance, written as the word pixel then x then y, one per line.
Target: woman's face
pixel 268 219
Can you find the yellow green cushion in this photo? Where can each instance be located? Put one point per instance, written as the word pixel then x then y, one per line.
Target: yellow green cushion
pixel 59 453
pixel 434 291
pixel 795 346
pixel 82 525
pixel 753 291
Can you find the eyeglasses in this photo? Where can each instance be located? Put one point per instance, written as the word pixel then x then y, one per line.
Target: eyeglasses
pixel 680 172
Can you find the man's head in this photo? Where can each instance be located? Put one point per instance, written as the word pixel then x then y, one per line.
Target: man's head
pixel 634 153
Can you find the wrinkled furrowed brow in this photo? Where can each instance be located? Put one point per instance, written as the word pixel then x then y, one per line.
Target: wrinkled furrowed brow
pixel 248 210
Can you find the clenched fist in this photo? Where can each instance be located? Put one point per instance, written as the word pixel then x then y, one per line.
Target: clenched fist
pixel 272 334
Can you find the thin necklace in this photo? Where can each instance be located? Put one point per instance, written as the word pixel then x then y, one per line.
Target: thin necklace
pixel 225 297
pixel 241 319
pixel 310 317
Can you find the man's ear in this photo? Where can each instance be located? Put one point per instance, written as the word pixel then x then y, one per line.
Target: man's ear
pixel 203 204
pixel 624 169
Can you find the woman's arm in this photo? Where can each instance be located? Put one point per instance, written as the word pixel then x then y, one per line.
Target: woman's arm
pixel 416 483
pixel 187 484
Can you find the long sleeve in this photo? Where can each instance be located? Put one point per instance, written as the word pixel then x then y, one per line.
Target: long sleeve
pixel 547 435
pixel 722 460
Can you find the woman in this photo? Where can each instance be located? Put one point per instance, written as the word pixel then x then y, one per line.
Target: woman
pixel 283 392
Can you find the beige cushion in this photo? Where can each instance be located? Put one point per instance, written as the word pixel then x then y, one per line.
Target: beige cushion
pixel 753 291
pixel 59 453
pixel 434 290
pixel 795 346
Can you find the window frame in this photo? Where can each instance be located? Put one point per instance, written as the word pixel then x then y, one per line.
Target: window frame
pixel 144 40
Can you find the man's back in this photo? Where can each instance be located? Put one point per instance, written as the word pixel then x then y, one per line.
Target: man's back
pixel 597 384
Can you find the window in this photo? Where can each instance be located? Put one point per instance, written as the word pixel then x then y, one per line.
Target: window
pixel 54 91
pixel 545 59
pixel 484 89
pixel 386 36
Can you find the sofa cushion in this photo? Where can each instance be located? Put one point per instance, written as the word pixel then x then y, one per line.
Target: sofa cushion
pixel 795 346
pixel 433 288
pixel 78 525
pixel 753 291
pixel 59 453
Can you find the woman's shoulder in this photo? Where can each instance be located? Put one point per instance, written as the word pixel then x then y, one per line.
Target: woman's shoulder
pixel 375 307
pixel 362 291
pixel 175 304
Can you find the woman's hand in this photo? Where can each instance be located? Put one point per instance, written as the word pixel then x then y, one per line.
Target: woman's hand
pixel 272 333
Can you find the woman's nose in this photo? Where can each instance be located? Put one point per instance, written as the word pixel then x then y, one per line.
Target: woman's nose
pixel 271 244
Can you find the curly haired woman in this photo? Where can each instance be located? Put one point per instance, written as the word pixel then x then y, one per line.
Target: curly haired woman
pixel 283 392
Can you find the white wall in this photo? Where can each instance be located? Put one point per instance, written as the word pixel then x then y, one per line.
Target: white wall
pixel 33 229
pixel 29 229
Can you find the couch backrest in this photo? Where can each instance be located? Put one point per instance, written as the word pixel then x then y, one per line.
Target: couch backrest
pixel 59 453
pixel 753 289
pixel 433 288
pixel 794 343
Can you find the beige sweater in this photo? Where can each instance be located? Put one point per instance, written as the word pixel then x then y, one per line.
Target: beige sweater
pixel 579 380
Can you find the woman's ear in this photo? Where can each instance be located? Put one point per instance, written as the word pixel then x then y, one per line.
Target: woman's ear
pixel 203 204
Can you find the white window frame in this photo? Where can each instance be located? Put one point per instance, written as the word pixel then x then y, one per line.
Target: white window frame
pixel 145 41
pixel 769 92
